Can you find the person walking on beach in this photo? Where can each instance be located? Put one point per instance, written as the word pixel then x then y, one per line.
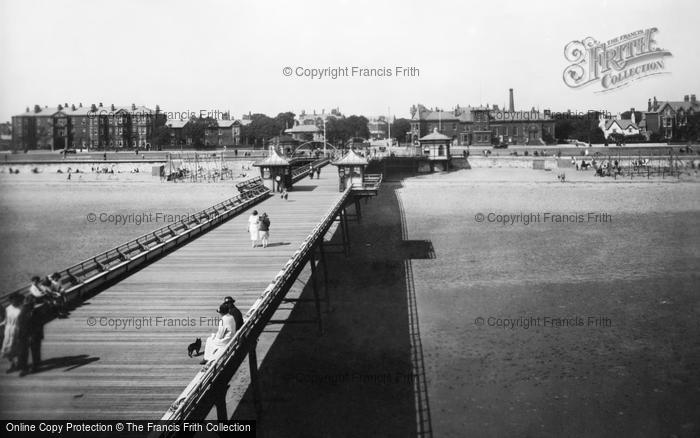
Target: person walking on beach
pixel 264 229
pixel 254 227
pixel 235 313
pixel 15 325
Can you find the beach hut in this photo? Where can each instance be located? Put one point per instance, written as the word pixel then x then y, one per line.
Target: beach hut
pixel 275 171
pixel 351 170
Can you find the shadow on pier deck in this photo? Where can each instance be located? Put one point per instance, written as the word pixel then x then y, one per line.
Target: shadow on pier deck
pixel 365 376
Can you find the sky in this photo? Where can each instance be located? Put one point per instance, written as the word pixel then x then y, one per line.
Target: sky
pixel 216 55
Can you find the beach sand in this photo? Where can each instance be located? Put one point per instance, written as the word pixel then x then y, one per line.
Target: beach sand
pixel 45 224
pixel 405 354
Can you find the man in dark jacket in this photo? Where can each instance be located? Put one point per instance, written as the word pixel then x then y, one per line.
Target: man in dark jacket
pixel 233 311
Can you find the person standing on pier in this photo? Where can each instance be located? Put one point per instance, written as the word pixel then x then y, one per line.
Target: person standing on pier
pixel 318 172
pixel 264 228
pixel 311 171
pixel 15 325
pixel 254 227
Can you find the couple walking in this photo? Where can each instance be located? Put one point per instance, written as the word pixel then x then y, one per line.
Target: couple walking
pixel 259 228
pixel 24 331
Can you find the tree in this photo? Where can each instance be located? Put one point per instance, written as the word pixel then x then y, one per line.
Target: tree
pixel 284 121
pixel 194 130
pixel 161 136
pixel 400 128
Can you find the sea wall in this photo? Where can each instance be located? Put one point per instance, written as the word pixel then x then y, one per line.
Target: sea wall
pixel 475 162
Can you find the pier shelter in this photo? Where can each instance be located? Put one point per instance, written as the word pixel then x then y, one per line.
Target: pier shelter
pixel 275 171
pixel 351 170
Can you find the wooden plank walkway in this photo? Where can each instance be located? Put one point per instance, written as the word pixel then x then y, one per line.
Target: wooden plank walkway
pixel 103 372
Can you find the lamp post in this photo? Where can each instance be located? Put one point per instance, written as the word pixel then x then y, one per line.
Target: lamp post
pixel 324 138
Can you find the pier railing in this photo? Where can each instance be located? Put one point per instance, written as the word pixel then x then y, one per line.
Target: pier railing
pixel 228 359
pixel 89 274
pixel 302 171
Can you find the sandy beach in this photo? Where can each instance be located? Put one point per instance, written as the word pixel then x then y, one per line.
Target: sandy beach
pixel 45 216
pixel 429 292
pixel 477 328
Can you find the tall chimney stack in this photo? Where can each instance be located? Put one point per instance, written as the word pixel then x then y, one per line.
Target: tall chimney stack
pixel 511 107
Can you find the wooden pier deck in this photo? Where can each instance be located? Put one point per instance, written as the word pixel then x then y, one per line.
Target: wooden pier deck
pixel 94 370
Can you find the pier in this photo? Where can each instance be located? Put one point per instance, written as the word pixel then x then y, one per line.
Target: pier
pixel 122 352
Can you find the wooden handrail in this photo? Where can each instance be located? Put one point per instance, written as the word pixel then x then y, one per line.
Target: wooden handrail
pixel 255 319
pixel 87 270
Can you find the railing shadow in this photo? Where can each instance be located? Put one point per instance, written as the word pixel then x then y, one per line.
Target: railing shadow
pixel 365 375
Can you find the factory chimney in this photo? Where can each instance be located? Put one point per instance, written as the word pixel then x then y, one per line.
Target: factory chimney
pixel 511 107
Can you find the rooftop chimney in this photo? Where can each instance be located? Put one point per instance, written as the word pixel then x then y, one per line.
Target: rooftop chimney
pixel 686 98
pixel 511 106
pixel 692 98
pixel 649 105
pixel 632 116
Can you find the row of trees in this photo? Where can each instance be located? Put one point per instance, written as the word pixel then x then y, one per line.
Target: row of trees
pixel 262 128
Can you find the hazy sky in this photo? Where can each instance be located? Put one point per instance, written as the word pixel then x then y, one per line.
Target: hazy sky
pixel 219 55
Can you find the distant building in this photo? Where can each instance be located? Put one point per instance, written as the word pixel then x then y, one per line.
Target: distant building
pixel 79 127
pixel 619 126
pixel 177 135
pixel 5 136
pixel 317 119
pixel 378 128
pixel 223 133
pixel 483 125
pixel 309 127
pixel 665 118
pixel 309 132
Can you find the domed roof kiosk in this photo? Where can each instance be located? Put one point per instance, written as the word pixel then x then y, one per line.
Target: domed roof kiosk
pixel 275 171
pixel 351 170
pixel 436 148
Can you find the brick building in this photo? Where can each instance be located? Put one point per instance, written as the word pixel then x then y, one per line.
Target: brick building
pixel 482 125
pixel 79 127
pixel 666 118
pixel 222 133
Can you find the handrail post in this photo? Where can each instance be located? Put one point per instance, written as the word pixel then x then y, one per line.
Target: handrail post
pixel 254 379
pixel 325 274
pixel 220 403
pixel 317 300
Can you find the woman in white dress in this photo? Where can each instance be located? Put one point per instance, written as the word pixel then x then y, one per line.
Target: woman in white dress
pixel 227 327
pixel 15 331
pixel 254 227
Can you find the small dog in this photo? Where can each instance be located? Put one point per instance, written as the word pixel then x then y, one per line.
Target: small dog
pixel 195 346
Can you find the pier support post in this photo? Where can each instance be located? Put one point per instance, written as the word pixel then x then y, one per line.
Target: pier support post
pixel 343 232
pixel 317 300
pixel 255 380
pixel 346 228
pixel 325 276
pixel 220 403
pixel 358 211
